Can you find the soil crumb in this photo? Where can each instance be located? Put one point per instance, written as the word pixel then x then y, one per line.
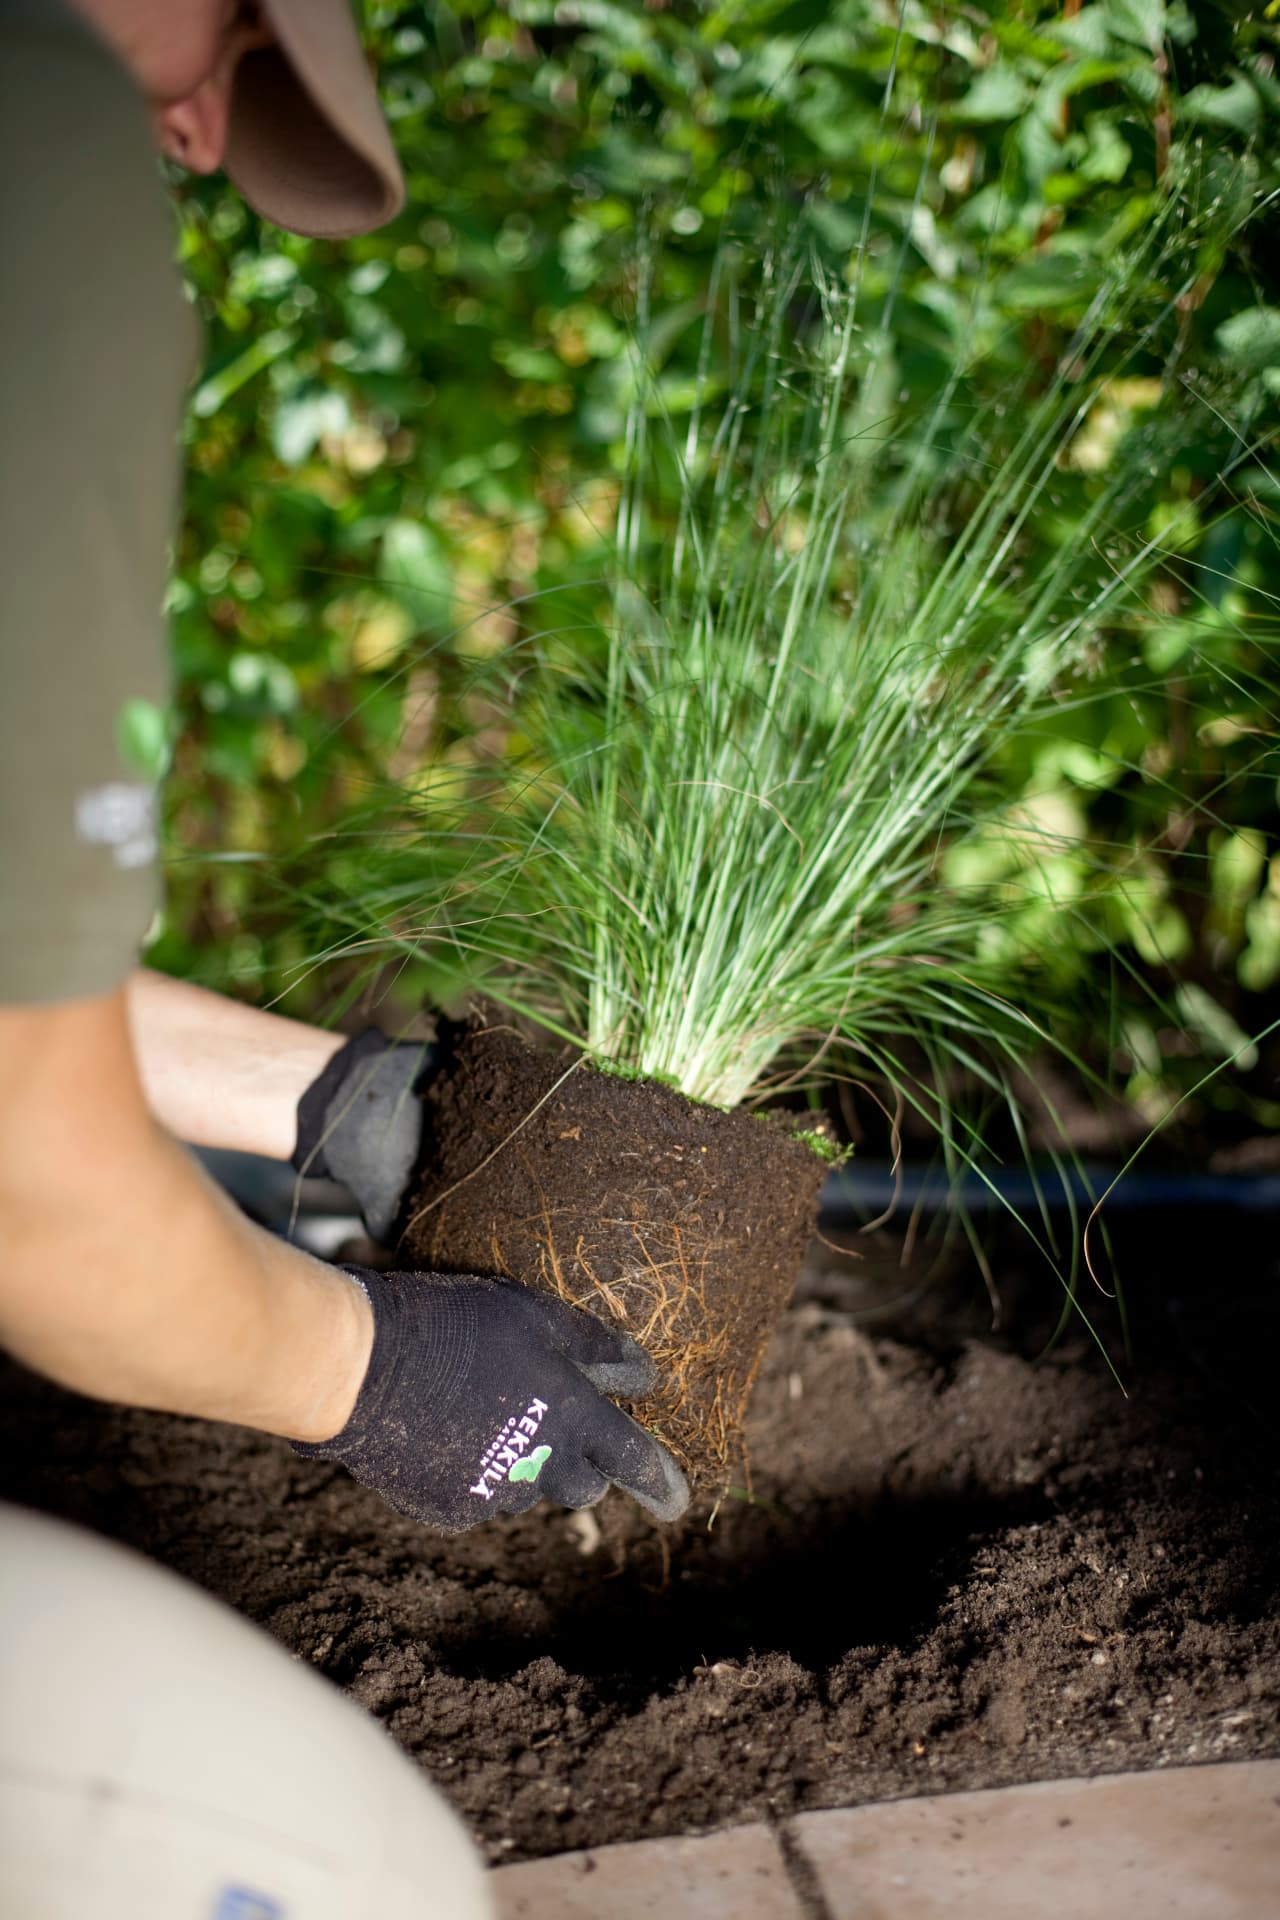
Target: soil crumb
pixel 956 1567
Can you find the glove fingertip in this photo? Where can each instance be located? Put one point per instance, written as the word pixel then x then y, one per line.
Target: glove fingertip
pixel 637 1462
pixel 629 1378
pixel 592 1344
pixel 672 1500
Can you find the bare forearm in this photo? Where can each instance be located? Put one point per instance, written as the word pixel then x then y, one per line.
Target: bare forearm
pixel 219 1074
pixel 174 1301
pixel 127 1275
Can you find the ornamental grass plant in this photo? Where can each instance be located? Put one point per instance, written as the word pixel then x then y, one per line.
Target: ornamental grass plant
pixel 710 835
pixel 711 850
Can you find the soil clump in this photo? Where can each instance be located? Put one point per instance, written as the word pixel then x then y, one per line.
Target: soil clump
pixel 961 1566
pixel 681 1223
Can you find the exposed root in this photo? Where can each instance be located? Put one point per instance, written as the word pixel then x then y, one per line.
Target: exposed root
pixel 499 1263
pixel 661 1299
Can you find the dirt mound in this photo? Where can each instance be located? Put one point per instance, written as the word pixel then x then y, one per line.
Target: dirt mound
pixel 959 1568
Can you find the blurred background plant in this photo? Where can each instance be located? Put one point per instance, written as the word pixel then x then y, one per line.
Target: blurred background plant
pixel 401 447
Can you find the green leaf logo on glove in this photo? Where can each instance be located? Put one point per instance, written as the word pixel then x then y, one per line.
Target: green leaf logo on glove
pixel 531 1466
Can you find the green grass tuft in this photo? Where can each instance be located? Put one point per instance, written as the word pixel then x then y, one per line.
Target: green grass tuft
pixel 740 839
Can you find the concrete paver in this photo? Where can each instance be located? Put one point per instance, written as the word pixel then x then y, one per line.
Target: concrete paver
pixel 1199 1843
pixel 737 1875
pixel 1189 1843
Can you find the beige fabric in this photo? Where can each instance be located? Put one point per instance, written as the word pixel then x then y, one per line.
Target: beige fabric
pixel 307 144
pixel 96 344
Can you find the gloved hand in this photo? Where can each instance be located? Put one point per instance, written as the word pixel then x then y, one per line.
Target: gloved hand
pixel 483 1397
pixel 360 1122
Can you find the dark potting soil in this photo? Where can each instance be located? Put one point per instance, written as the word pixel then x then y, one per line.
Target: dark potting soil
pixel 681 1223
pixel 961 1567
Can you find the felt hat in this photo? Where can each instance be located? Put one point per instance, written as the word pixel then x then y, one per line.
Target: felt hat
pixel 306 141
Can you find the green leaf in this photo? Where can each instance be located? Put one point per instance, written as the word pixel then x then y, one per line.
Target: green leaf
pixel 1259 964
pixel 262 682
pixel 1140 22
pixel 415 570
pixel 1165 645
pixel 1059 280
pixel 1236 866
pixel 1088 31
pixel 144 738
pixel 1161 935
pixel 1109 152
pixel 998 94
pixel 1236 106
pixel 1175 525
pixel 528 363
pixel 300 421
pixel 1212 1024
pixel 531 1466
pixel 214 391
pixel 1251 339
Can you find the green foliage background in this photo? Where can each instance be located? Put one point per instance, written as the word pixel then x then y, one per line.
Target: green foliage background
pixel 399 443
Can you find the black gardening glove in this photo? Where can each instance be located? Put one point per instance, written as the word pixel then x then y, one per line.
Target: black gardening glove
pixel 483 1397
pixel 360 1122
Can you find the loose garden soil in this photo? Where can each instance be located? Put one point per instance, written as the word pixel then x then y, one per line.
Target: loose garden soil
pixel 960 1565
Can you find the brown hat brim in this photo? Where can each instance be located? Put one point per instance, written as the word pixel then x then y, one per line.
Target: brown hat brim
pixel 306 141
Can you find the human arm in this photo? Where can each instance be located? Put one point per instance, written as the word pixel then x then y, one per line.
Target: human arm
pixel 126 1274
pixel 220 1074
